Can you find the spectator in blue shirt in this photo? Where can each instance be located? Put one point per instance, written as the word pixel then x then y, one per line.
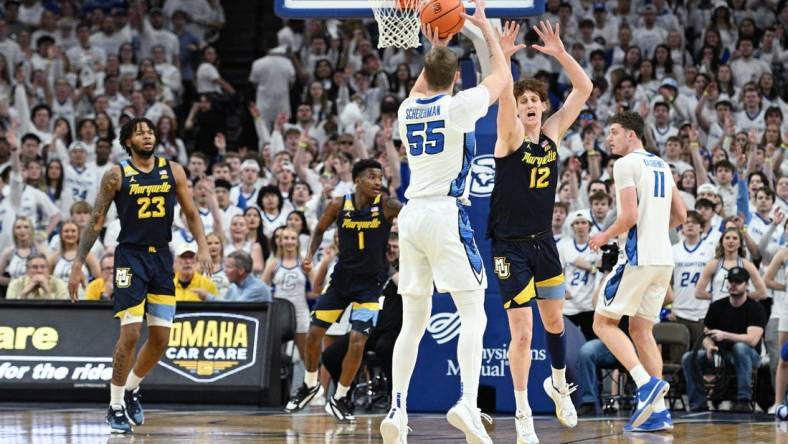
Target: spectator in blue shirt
pixel 245 287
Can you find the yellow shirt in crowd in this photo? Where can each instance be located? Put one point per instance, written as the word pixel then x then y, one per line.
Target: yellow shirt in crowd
pixel 198 282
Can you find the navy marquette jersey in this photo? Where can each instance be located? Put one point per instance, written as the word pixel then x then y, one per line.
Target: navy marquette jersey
pixel 363 238
pixel 524 191
pixel 145 204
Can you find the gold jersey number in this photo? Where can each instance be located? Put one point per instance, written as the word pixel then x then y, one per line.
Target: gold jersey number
pixel 151 207
pixel 539 177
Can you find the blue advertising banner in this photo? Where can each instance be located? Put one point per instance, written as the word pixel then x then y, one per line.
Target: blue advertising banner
pixel 435 385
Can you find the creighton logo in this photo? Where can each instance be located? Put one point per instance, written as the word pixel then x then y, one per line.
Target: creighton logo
pixel 123 277
pixel 206 347
pixel 482 175
pixel 502 267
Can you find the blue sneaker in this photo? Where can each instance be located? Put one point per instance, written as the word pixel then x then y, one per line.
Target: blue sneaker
pixel 657 422
pixel 134 406
pixel 647 395
pixel 117 420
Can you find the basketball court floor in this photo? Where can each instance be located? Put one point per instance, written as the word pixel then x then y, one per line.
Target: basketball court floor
pixel 59 424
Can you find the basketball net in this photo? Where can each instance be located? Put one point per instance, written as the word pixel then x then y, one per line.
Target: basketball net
pixel 398 22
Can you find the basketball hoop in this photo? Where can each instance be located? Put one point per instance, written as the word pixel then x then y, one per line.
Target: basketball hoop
pixel 398 22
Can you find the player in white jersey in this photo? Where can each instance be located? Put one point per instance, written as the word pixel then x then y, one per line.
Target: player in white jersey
pixel 582 276
pixel 779 265
pixel 690 257
pixel 649 205
pixel 436 240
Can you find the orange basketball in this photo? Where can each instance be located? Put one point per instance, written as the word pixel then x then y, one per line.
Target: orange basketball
pixel 446 15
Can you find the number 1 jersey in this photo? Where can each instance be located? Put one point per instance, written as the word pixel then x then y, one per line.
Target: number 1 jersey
pixel 438 132
pixel 145 204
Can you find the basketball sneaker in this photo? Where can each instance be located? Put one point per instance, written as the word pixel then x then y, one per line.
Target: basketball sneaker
pixel 657 422
pixel 341 409
pixel 525 429
pixel 648 395
pixel 468 420
pixel 134 406
pixel 117 419
pixel 394 428
pixel 564 409
pixel 303 397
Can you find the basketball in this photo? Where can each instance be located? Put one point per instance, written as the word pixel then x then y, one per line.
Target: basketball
pixel 446 15
pixel 781 412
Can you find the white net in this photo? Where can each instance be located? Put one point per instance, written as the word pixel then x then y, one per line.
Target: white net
pixel 398 22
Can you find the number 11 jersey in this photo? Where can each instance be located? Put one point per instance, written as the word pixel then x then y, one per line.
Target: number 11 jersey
pixel 438 132
pixel 145 204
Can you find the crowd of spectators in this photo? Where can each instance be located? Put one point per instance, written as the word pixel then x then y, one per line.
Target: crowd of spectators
pixel 709 77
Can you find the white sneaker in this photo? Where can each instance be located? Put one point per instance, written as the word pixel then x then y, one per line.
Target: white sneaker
pixel 525 429
pixel 564 409
pixel 468 420
pixel 394 427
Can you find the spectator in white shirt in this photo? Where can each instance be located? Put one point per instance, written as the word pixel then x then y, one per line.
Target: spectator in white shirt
pixel 648 36
pixel 208 78
pixel 84 54
pixel 746 68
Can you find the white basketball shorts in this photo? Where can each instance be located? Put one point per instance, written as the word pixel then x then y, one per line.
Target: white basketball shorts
pixel 436 245
pixel 634 291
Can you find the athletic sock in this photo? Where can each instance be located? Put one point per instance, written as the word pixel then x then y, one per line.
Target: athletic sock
pixel 133 381
pixel 556 346
pixel 473 320
pixel 559 378
pixel 640 375
pixel 521 401
pixel 660 405
pixel 416 311
pixel 310 378
pixel 116 393
pixel 341 391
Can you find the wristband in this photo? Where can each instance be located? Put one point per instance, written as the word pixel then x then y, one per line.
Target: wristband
pixel 784 146
pixel 694 144
pixel 303 145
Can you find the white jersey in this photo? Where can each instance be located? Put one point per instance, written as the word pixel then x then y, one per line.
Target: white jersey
pixel 690 262
pixel 648 242
pixel 579 283
pixel 441 142
pixel 81 184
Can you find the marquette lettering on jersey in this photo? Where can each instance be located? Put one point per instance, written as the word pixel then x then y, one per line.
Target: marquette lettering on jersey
pixel 441 142
pixel 145 204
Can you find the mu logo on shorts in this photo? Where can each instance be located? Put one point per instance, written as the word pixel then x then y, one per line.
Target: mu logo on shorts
pixel 123 277
pixel 502 267
pixel 206 347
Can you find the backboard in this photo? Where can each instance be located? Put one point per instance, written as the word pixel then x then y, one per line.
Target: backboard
pixel 303 9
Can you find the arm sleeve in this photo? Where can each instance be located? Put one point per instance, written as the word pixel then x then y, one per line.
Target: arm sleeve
pixel 469 106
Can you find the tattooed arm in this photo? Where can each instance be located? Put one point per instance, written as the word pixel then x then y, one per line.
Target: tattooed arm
pixel 110 184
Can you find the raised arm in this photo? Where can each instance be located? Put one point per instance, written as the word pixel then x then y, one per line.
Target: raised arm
pixel 559 123
pixel 192 217
pixel 110 184
pixel 500 73
pixel 509 128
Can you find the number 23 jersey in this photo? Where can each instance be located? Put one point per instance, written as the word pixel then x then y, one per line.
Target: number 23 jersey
pixel 438 132
pixel 145 204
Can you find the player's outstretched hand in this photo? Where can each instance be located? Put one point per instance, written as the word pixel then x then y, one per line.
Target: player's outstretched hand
pixel 597 241
pixel 479 17
pixel 205 261
pixel 75 279
pixel 433 35
pixel 553 46
pixel 510 32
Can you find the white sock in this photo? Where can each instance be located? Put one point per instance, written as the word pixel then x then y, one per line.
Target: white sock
pixel 660 405
pixel 116 393
pixel 310 378
pixel 133 381
pixel 521 400
pixel 640 375
pixel 473 320
pixel 399 400
pixel 559 378
pixel 416 311
pixel 341 391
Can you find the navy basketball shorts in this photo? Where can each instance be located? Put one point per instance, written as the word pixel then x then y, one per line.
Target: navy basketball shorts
pixel 528 269
pixel 361 293
pixel 144 285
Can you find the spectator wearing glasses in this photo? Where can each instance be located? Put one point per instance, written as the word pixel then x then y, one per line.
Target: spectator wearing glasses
pixel 734 325
pixel 103 288
pixel 37 283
